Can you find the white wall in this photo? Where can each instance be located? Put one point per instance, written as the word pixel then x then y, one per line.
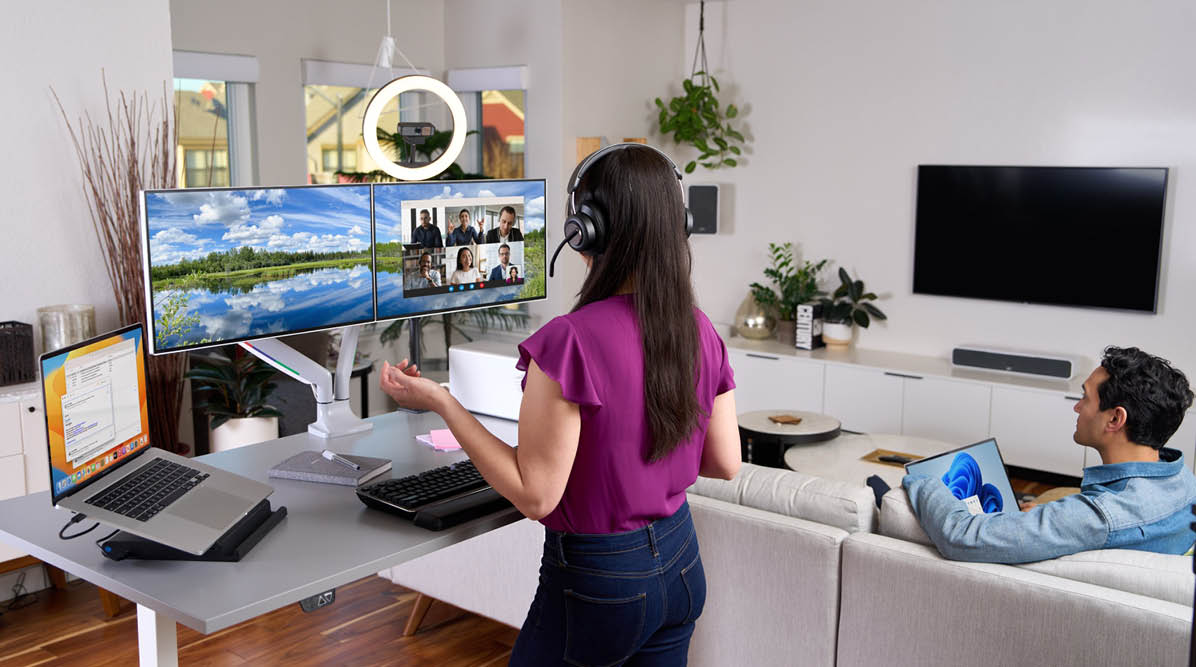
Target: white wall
pixel 51 253
pixel 282 32
pixel 844 100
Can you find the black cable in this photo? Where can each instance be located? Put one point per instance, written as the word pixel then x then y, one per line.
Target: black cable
pixel 100 542
pixel 21 597
pixel 76 519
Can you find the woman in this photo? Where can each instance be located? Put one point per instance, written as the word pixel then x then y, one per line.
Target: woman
pixel 513 275
pixel 608 444
pixel 465 272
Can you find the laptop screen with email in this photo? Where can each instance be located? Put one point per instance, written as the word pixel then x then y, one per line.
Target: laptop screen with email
pixel 97 416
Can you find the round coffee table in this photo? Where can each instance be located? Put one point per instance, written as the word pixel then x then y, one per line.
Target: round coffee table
pixel 840 458
pixel 763 441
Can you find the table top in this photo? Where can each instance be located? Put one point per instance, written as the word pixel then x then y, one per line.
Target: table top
pixel 811 424
pixel 839 459
pixel 328 538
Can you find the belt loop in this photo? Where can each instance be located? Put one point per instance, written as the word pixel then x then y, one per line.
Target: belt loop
pixel 652 540
pixel 560 549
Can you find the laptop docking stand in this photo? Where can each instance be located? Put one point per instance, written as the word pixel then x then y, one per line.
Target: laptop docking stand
pixel 230 547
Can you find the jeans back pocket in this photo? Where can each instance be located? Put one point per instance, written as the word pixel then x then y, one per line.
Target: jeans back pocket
pixel 694 578
pixel 602 631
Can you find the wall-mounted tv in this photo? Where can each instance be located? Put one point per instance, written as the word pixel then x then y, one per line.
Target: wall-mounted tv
pixel 1069 236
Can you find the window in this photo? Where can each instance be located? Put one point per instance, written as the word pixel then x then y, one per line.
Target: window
pixel 347 160
pixel 495 105
pixel 202 112
pixel 213 96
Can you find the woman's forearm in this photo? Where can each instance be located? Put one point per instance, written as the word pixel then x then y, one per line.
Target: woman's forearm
pixel 496 460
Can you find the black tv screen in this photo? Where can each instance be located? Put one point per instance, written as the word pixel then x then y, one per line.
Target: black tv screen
pixel 1072 236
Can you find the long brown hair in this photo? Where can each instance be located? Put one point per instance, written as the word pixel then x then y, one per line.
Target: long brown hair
pixel 641 199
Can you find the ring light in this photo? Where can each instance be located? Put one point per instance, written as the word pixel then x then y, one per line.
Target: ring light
pixel 403 84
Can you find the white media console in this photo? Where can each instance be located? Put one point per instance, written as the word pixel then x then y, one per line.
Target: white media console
pixel 886 392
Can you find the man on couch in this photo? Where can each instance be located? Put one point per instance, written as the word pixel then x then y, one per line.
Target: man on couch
pixel 1139 498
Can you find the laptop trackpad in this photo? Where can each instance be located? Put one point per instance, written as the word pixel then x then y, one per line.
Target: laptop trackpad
pixel 210 507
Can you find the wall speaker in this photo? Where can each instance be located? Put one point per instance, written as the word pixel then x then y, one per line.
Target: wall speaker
pixel 703 204
pixel 1052 366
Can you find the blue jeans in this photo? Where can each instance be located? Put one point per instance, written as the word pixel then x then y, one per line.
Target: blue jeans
pixel 625 598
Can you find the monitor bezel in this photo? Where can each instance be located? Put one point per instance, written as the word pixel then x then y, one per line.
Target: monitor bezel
pixel 54 497
pixel 152 346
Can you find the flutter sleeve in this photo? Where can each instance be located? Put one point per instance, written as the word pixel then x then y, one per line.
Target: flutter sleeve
pixel 718 359
pixel 558 352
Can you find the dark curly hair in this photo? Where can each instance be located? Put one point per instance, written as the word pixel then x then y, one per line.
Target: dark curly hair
pixel 1154 394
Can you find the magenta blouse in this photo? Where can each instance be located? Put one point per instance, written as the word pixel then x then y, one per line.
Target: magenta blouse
pixel 596 356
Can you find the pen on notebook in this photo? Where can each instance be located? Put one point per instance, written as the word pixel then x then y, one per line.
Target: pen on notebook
pixel 333 456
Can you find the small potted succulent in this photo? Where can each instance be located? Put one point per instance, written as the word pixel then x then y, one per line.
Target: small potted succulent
pixel 847 306
pixel 232 387
pixel 796 283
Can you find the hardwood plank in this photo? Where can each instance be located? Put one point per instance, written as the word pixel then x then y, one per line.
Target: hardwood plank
pixel 363 627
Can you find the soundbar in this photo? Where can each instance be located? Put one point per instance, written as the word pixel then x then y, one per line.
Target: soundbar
pixel 1014 362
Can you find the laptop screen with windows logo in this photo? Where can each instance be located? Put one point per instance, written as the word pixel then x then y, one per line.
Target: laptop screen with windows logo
pixel 97 415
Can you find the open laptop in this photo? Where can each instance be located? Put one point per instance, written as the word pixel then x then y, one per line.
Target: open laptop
pixel 975 474
pixel 101 462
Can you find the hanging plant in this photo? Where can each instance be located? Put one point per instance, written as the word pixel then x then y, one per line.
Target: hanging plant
pixel 696 117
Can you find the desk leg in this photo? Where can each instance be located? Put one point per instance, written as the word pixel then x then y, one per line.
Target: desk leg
pixel 157 639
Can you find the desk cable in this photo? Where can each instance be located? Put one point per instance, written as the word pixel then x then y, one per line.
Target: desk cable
pixel 76 519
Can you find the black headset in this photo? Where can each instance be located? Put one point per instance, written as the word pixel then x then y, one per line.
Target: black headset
pixel 586 226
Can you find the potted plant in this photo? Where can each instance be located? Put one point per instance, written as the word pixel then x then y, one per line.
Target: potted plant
pixel 847 306
pixel 796 283
pixel 232 387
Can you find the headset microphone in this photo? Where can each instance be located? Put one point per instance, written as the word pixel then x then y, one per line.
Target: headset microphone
pixel 552 264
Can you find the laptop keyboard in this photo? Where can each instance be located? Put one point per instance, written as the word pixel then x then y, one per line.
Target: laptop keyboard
pixel 149 490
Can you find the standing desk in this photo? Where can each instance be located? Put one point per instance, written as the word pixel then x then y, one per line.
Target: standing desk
pixel 328 538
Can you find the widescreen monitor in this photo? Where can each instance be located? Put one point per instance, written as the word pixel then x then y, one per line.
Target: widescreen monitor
pixel 1072 236
pixel 224 265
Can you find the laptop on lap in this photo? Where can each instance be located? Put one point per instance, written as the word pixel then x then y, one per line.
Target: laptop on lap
pixel 975 474
pixel 101 461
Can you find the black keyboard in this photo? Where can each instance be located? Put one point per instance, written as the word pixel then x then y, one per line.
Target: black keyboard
pixel 149 490
pixel 458 486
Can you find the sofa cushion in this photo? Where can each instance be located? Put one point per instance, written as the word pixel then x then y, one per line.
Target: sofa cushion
pixel 897 518
pixel 1160 576
pixel 851 507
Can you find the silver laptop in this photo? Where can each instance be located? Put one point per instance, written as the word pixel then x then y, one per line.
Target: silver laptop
pixel 975 474
pixel 101 461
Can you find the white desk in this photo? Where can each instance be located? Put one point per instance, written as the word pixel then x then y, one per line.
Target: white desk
pixel 328 538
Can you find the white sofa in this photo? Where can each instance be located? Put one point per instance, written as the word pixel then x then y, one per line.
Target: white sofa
pixel 805 571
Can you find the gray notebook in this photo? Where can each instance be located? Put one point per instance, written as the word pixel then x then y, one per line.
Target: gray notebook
pixel 312 467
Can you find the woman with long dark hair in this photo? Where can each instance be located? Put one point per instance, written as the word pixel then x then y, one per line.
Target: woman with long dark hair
pixel 627 399
pixel 465 272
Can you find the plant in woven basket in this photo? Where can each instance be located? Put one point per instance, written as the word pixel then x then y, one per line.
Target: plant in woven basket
pixel 698 118
pixel 130 149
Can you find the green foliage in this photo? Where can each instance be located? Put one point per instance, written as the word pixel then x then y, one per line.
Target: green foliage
pixel 174 320
pixel 246 258
pixel 696 117
pixel 533 259
pixel 231 385
pixel 409 156
pixel 796 282
pixel 849 303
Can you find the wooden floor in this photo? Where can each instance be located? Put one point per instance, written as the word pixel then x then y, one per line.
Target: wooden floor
pixel 363 627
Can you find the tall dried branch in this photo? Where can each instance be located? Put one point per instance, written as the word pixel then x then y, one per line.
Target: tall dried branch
pixel 131 151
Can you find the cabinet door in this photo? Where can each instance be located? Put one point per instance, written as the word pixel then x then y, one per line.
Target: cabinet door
pixel 863 400
pixel 948 410
pixel 10 427
pixel 768 382
pixel 1034 430
pixel 33 437
pixel 12 484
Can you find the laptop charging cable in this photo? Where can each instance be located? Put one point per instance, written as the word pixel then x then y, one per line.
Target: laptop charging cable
pixel 74 520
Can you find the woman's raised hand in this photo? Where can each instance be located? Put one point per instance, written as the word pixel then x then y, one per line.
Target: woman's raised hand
pixel 404 384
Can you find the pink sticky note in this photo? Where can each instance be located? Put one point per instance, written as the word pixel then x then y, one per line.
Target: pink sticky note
pixel 443 440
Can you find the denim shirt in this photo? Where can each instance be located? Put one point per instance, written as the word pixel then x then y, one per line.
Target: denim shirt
pixel 1134 505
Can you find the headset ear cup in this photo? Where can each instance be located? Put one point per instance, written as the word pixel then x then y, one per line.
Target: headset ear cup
pixel 591 227
pixel 689 222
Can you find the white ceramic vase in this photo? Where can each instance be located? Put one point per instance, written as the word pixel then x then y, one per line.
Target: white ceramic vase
pixel 836 334
pixel 243 431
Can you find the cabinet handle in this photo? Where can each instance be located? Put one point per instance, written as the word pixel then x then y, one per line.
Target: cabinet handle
pixel 903 375
pixel 762 356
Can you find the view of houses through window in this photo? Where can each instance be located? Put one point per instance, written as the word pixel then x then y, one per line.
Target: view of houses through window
pixel 336 152
pixel 202 157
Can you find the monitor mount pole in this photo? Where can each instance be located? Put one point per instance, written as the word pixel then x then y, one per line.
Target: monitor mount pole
pixel 334 417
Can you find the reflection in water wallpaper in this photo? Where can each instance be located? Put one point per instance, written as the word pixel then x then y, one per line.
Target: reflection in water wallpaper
pixel 232 264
